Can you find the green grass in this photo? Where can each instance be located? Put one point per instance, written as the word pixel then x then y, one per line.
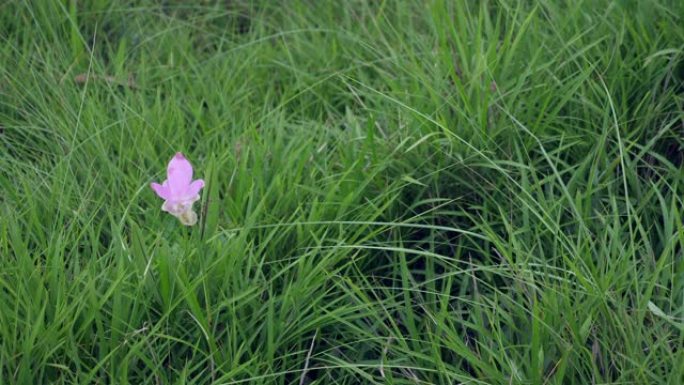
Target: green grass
pixel 398 192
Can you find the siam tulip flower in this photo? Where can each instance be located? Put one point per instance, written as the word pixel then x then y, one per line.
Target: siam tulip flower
pixel 179 191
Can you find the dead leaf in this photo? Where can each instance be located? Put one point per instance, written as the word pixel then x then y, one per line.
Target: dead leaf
pixel 85 77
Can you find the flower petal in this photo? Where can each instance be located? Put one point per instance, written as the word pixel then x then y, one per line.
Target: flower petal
pixel 176 207
pixel 195 187
pixel 179 175
pixel 161 190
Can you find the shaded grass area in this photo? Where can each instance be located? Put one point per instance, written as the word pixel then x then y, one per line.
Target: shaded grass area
pixel 397 192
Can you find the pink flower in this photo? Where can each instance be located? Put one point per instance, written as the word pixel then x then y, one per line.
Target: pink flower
pixel 179 191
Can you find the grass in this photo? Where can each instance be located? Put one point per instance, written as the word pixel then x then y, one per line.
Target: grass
pixel 398 192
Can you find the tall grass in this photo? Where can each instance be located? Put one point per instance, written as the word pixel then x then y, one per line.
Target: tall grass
pixel 398 192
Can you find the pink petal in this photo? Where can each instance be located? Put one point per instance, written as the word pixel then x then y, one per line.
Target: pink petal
pixel 179 174
pixel 161 190
pixel 195 187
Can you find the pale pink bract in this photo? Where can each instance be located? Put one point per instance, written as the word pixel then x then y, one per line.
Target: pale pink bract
pixel 179 191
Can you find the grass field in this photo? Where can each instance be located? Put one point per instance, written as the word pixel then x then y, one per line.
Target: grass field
pixel 397 192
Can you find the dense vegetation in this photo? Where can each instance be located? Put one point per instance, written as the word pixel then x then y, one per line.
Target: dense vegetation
pixel 398 192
